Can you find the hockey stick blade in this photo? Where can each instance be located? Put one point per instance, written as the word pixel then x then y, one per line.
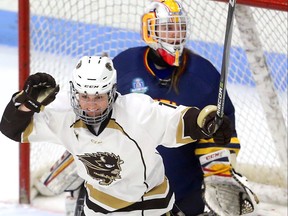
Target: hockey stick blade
pixel 224 68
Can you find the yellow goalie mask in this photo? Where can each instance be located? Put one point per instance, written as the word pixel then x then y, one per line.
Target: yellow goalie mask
pixel 165 29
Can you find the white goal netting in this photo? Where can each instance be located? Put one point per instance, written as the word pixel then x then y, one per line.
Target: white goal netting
pixel 63 30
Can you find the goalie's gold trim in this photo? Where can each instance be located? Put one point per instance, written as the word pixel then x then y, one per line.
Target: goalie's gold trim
pixel 61 168
pixel 203 151
pixel 234 146
pixel 216 169
pixel 148 35
pixel 211 140
pixel 177 58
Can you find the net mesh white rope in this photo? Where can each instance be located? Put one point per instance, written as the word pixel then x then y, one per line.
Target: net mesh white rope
pixel 64 30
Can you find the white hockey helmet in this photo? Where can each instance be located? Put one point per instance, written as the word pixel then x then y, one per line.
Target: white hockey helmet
pixel 93 75
pixel 165 29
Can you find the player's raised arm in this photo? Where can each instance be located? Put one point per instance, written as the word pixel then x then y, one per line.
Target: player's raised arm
pixel 39 90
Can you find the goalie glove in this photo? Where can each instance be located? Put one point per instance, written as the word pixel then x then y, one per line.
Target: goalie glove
pixel 225 192
pixel 40 89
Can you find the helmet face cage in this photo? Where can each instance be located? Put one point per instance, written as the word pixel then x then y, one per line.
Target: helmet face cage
pixel 93 78
pixel 170 35
pixel 165 28
pixel 82 113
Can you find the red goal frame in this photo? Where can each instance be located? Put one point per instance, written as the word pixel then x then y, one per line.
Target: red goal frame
pixel 269 4
pixel 24 71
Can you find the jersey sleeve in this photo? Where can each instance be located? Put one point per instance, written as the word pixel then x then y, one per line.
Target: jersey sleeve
pixel 46 126
pixel 164 123
pixel 14 121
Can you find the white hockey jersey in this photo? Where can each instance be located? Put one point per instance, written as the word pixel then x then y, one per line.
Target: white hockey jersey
pixel 123 172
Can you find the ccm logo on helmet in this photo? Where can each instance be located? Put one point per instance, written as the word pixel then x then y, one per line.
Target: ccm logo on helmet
pixel 90 86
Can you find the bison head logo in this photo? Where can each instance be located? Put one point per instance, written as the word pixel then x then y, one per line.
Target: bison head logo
pixel 102 166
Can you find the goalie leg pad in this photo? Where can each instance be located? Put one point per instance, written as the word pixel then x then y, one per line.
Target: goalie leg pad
pixel 61 177
pixel 225 193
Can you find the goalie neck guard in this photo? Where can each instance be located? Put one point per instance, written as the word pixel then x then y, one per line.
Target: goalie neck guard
pixel 165 29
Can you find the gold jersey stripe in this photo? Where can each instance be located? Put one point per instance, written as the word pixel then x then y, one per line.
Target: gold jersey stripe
pixel 160 189
pixel 233 140
pixel 208 150
pixel 106 199
pixel 117 203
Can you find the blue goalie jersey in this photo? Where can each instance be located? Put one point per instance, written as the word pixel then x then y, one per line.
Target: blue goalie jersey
pixel 198 84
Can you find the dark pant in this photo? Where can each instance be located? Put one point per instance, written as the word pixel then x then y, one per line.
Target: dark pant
pixel 190 205
pixel 79 211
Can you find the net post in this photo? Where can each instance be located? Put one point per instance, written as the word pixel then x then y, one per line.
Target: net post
pixel 24 70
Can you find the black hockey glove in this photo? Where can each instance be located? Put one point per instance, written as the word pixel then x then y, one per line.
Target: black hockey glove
pixel 199 124
pixel 40 89
pixel 223 135
pixel 205 121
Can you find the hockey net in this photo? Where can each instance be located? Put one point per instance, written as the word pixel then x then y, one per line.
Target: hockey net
pixel 61 31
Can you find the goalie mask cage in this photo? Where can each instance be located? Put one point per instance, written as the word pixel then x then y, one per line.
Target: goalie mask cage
pixel 53 34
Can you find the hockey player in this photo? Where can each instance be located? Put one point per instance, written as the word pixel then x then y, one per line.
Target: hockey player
pixel 112 138
pixel 167 71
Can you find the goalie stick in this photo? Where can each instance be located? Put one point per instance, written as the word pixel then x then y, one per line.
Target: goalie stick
pixel 224 68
